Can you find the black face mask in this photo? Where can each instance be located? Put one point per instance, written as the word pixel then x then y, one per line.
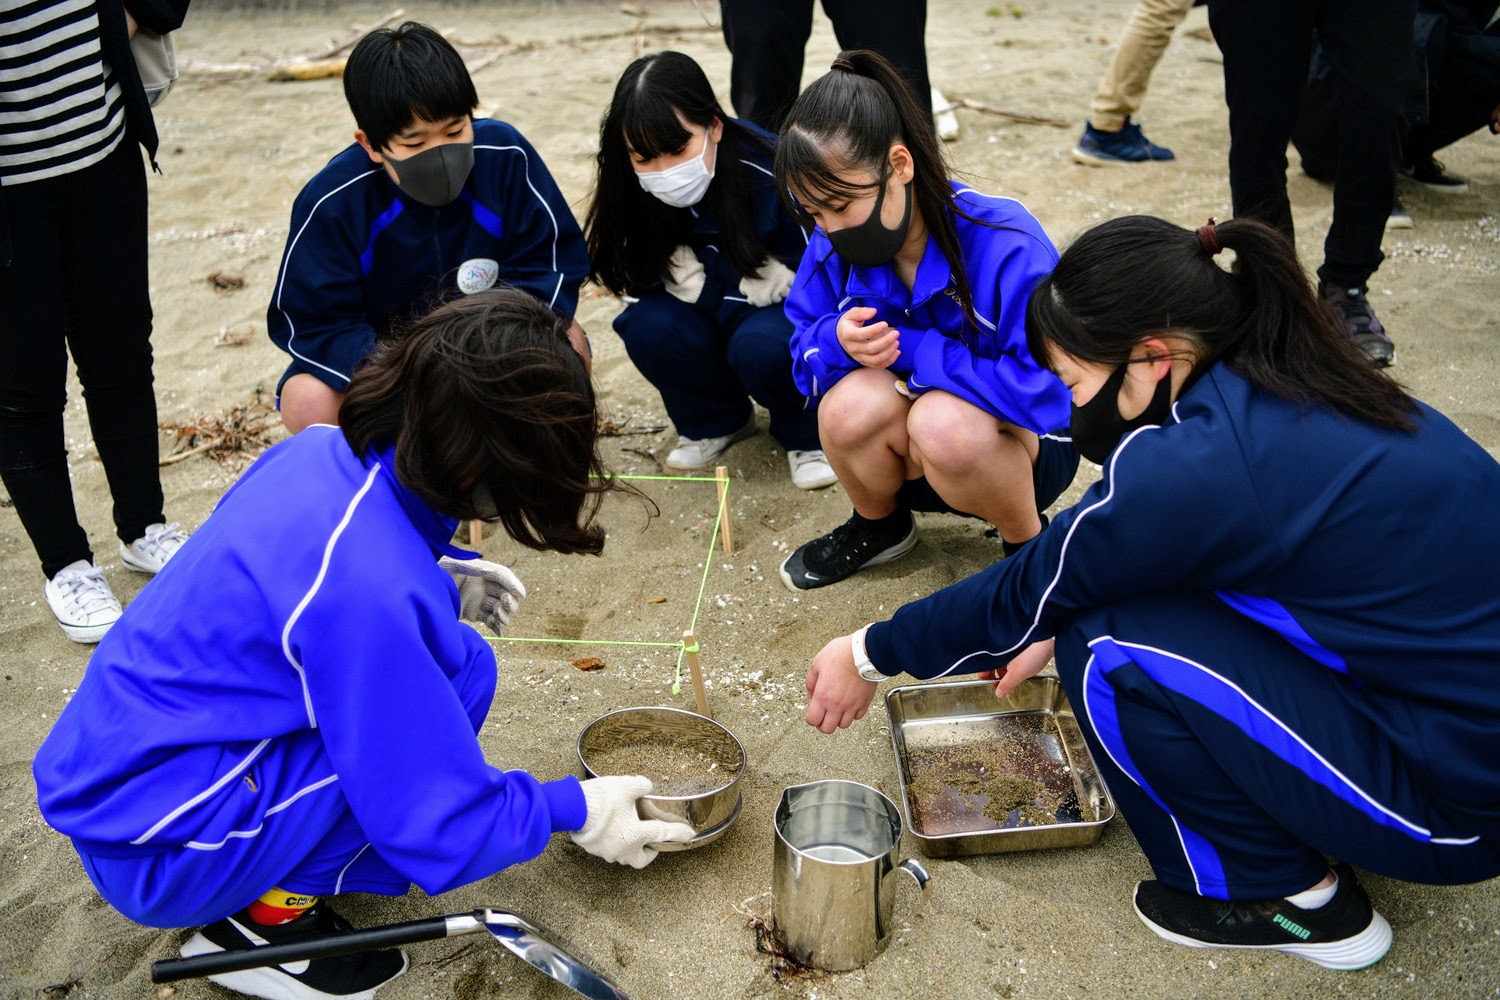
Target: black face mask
pixel 870 244
pixel 1097 426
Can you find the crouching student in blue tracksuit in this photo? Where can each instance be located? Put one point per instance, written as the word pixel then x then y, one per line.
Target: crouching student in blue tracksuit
pixel 427 204
pixel 686 224
pixel 909 309
pixel 1275 616
pixel 289 710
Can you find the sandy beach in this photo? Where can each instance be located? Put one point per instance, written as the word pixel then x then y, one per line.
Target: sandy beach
pixel 235 151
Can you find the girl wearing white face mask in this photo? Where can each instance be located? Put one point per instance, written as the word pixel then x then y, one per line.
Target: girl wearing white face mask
pixel 686 226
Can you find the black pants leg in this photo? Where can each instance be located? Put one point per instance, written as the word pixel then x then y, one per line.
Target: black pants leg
pixel 1266 46
pixel 78 281
pixel 766 40
pixel 1370 46
pixel 897 29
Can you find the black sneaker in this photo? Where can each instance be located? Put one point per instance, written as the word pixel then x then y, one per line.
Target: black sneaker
pixel 349 977
pixel 1345 934
pixel 1360 322
pixel 1430 173
pixel 849 548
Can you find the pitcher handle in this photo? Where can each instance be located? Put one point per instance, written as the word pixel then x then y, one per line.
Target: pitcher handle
pixel 918 873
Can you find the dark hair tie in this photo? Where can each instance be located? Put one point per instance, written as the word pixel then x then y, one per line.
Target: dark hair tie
pixel 844 65
pixel 1208 237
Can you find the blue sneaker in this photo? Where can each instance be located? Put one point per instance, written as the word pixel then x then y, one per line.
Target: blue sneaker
pixel 1153 151
pixel 1097 148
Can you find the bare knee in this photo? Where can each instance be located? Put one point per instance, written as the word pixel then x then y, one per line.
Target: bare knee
pixel 949 434
pixel 862 406
pixel 306 401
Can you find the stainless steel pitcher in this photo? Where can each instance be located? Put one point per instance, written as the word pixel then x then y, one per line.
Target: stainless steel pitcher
pixel 832 880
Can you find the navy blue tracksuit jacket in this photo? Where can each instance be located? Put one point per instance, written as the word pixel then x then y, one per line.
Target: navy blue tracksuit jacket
pixel 361 257
pixel 1283 628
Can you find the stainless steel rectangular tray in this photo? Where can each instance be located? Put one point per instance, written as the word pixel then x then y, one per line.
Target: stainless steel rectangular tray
pixel 959 732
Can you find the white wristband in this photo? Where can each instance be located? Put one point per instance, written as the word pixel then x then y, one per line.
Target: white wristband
pixel 862 658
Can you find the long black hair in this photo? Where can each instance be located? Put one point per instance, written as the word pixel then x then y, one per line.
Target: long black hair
pixel 630 232
pixel 1137 276
pixel 850 117
pixel 487 391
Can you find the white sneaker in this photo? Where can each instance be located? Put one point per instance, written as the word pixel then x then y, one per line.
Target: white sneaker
pixel 80 598
pixel 150 552
pixel 696 453
pixel 943 117
pixel 810 469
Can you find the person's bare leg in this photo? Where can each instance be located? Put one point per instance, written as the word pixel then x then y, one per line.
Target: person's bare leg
pixel 976 463
pixel 862 424
pixel 306 401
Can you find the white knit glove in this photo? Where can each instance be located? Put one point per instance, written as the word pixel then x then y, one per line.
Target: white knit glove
pixel 685 275
pixel 488 592
pixel 614 832
pixel 769 285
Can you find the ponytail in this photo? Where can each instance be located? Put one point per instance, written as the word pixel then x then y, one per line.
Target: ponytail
pixel 852 115
pixel 1140 276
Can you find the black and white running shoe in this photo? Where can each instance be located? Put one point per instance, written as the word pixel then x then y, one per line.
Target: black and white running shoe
pixel 349 977
pixel 1432 175
pixel 1346 933
pixel 849 548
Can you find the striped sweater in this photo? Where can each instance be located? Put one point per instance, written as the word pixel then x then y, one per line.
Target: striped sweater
pixel 61 105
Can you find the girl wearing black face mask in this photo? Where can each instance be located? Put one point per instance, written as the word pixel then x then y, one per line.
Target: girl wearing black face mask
pixel 908 309
pixel 687 228
pixel 1271 616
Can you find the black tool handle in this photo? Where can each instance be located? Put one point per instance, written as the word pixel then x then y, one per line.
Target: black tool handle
pixel 328 946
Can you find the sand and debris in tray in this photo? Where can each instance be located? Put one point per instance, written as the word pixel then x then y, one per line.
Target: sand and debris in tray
pixel 1007 780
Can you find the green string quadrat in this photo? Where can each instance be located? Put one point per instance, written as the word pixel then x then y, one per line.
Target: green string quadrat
pixel 684 647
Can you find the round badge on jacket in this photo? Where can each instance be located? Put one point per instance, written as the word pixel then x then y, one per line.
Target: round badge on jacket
pixel 478 274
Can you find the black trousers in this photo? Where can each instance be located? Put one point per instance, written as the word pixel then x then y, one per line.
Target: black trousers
pixel 1462 93
pixel 1267 45
pixel 767 39
pixel 77 283
pixel 1465 92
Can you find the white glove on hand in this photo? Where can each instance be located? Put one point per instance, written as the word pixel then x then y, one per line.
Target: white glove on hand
pixel 488 593
pixel 614 832
pixel 769 285
pixel 685 275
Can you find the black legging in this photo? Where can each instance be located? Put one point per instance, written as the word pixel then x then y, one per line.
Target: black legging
pixel 767 39
pixel 77 282
pixel 1267 45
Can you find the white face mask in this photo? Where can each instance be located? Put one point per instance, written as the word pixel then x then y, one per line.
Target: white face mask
pixel 682 185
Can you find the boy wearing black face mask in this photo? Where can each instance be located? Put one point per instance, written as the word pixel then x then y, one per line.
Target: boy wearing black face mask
pixel 427 204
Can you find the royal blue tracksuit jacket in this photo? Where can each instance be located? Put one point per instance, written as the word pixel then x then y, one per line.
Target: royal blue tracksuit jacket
pixel 1374 552
pixel 296 657
pixel 982 358
pixel 362 257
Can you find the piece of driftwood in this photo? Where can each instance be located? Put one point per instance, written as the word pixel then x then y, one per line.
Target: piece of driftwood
pixel 356 32
pixel 322 69
pixel 1013 116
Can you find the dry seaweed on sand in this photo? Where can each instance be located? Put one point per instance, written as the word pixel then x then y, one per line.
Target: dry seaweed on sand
pixel 234 437
pixel 769 941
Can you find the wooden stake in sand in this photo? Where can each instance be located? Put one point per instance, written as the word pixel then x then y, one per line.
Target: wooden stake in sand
pixel 726 533
pixel 700 694
pixel 476 533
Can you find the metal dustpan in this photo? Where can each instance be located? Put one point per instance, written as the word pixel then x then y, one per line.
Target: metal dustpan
pixel 514 933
